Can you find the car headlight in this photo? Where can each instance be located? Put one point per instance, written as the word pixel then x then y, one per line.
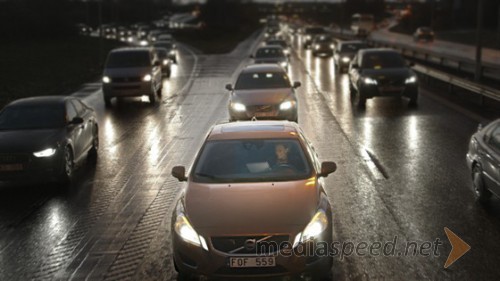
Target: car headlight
pixel 143 43
pixel 346 59
pixel 317 47
pixel 239 107
pixel 147 78
pixel 370 81
pixel 45 153
pixel 165 62
pixel 411 80
pixel 286 105
pixel 284 64
pixel 106 79
pixel 185 230
pixel 314 228
pixel 172 52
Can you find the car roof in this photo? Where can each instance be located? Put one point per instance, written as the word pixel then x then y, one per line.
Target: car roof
pixel 262 67
pixel 41 101
pixel 254 130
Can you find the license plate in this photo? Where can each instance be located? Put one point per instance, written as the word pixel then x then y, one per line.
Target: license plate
pixel 252 262
pixel 11 167
pixel 264 114
pixel 390 89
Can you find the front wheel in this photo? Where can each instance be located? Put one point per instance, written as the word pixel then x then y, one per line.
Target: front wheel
pixel 68 166
pixel 480 191
pixel 92 155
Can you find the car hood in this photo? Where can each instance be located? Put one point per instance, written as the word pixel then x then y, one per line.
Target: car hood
pixel 127 72
pixel 18 141
pixel 251 207
pixel 261 96
pixel 390 73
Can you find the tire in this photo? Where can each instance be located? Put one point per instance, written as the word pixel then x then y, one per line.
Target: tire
pixel 413 102
pixel 107 102
pixel 481 193
pixel 92 155
pixel 68 166
pixel 152 97
pixel 159 91
pixel 359 100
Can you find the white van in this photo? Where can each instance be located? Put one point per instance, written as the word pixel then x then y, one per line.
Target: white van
pixel 132 72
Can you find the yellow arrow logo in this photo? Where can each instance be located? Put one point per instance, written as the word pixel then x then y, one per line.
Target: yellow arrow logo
pixel 458 247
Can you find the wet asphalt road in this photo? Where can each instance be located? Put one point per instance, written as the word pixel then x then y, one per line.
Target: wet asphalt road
pixel 401 174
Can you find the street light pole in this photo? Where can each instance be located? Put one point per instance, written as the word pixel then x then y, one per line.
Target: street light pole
pixel 479 41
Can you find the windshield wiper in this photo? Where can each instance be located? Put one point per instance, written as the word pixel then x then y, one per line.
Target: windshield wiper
pixel 206 176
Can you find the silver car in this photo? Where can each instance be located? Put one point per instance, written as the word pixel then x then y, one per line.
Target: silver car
pixel 483 161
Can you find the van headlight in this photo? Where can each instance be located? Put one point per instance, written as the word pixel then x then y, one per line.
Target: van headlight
pixel 147 78
pixel 45 153
pixel 286 105
pixel 106 79
pixel 346 59
pixel 314 228
pixel 411 80
pixel 185 230
pixel 370 81
pixel 239 107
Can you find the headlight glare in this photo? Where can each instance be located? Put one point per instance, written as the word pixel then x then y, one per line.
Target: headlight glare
pixel 106 79
pixel 286 105
pixel 370 81
pixel 45 153
pixel 346 59
pixel 411 80
pixel 316 226
pixel 239 107
pixel 184 229
pixel 147 78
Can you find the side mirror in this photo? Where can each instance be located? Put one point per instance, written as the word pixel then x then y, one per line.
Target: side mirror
pixel 296 84
pixel 76 121
pixel 179 172
pixel 327 168
pixel 229 87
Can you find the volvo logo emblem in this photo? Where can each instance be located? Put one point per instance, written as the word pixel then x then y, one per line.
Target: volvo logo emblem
pixel 250 244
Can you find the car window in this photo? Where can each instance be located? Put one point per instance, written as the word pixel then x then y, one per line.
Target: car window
pixel 262 80
pixel 32 117
pixel 269 53
pixel 251 161
pixel 80 109
pixel 378 60
pixel 70 112
pixel 494 140
pixel 128 59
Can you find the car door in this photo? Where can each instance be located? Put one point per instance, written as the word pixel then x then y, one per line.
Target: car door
pixel 491 160
pixel 74 131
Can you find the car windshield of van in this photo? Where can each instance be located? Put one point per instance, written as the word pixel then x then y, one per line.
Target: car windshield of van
pixel 257 160
pixel 262 80
pixel 128 59
pixel 32 117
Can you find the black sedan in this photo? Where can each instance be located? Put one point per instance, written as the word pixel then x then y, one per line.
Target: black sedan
pixel 42 138
pixel 381 72
pixel 483 160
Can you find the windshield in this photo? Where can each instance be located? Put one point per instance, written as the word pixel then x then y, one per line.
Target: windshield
pixel 31 117
pixel 270 53
pixel 378 60
pixel 260 160
pixel 262 80
pixel 128 59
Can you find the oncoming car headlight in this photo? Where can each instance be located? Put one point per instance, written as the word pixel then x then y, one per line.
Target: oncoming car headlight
pixel 284 64
pixel 186 231
pixel 165 62
pixel 286 105
pixel 45 153
pixel 370 81
pixel 411 80
pixel 147 78
pixel 106 79
pixel 314 228
pixel 317 47
pixel 346 59
pixel 238 106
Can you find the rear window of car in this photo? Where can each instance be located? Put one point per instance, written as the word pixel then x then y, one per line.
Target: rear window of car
pixel 128 59
pixel 378 60
pixel 32 117
pixel 224 161
pixel 262 80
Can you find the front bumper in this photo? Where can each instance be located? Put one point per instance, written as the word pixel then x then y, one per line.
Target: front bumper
pixel 26 168
pixel 130 89
pixel 273 113
pixel 370 91
pixel 198 262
